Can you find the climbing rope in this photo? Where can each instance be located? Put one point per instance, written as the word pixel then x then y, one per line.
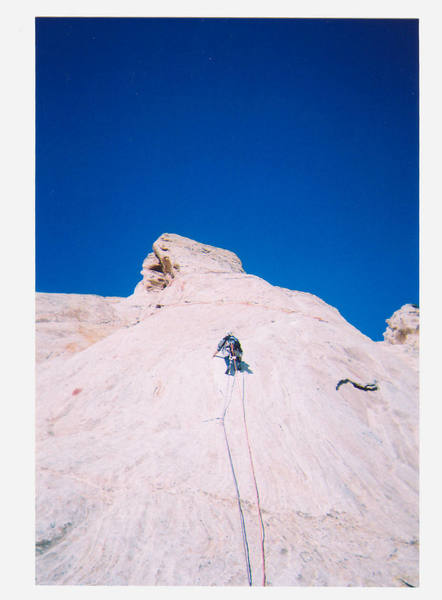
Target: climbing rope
pixel 258 503
pixel 238 496
pixel 228 396
pixel 228 399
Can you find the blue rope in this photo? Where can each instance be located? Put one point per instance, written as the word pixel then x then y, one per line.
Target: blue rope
pixel 235 481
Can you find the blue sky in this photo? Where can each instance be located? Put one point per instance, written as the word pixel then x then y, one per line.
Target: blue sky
pixel 292 142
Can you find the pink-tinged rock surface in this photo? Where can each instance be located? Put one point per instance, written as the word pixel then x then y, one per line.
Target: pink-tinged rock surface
pixel 403 326
pixel 134 484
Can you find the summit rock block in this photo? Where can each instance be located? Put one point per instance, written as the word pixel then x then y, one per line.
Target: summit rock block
pixel 174 255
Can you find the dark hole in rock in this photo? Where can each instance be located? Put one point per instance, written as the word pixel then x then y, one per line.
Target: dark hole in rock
pixel 158 268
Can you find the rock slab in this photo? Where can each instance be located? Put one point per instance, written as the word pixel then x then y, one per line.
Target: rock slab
pixel 134 482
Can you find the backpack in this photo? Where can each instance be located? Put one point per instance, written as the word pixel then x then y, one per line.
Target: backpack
pixel 231 339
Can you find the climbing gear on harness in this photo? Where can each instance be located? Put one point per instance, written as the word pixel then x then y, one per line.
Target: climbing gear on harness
pixel 231 347
pixel 233 366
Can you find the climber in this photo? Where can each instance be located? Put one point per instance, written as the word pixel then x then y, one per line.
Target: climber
pixel 232 353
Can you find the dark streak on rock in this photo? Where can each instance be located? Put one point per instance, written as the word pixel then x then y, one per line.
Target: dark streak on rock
pixel 43 546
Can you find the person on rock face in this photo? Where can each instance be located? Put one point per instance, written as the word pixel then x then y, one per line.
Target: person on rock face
pixel 232 350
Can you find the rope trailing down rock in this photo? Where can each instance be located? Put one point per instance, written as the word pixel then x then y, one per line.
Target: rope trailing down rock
pixel 258 503
pixel 235 481
pixel 229 393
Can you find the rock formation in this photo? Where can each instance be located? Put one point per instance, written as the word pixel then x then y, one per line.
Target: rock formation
pixel 68 323
pixel 173 254
pixel 403 326
pixel 134 480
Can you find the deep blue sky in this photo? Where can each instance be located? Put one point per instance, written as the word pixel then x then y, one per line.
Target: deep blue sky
pixel 292 142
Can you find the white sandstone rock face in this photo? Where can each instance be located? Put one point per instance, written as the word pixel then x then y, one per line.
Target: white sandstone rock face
pixel 69 323
pixel 403 326
pixel 175 255
pixel 134 484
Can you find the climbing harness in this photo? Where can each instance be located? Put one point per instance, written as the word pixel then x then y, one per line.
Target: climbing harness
pixel 228 399
pixel 232 350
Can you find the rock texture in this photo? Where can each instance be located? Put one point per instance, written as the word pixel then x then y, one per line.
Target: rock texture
pixel 173 254
pixel 68 323
pixel 403 326
pixel 134 483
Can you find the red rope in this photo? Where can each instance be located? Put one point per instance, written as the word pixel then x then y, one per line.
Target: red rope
pixel 233 358
pixel 258 503
pixel 235 481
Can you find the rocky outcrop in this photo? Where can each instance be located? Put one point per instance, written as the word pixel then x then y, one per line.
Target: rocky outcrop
pixel 133 474
pixel 403 327
pixel 175 255
pixel 68 323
